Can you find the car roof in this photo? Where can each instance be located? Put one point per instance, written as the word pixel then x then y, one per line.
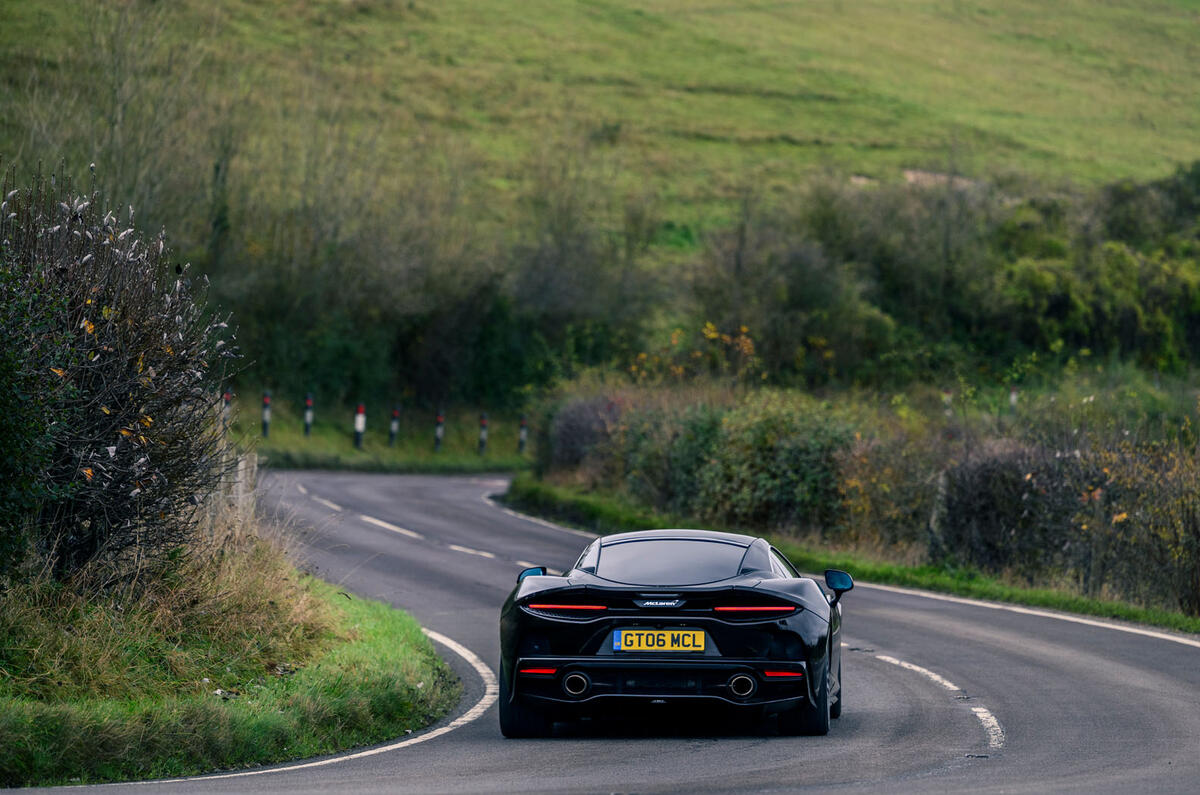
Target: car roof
pixel 682 534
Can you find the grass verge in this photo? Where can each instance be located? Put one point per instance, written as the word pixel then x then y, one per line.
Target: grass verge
pixel 331 445
pixel 257 664
pixel 605 514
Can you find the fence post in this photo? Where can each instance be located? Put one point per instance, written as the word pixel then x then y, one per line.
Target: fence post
pixel 483 425
pixel 266 414
pixel 308 414
pixel 394 428
pixel 523 436
pixel 439 431
pixel 360 425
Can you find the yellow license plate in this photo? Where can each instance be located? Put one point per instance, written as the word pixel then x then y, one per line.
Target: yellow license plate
pixel 658 640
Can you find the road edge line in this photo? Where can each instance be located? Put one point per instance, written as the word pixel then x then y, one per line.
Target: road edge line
pixel 491 692
pixel 1091 622
pixel 544 523
pixel 1031 611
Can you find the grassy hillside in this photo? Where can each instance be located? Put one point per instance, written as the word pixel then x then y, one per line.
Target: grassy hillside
pixel 691 94
pixel 461 202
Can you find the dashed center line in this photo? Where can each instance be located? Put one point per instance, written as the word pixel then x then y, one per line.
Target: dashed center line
pixel 395 528
pixel 300 488
pixel 525 564
pixel 928 674
pixel 990 725
pixel 333 506
pixel 481 553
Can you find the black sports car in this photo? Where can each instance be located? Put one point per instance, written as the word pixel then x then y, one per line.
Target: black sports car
pixel 666 617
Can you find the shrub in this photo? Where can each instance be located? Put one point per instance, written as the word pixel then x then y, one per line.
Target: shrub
pixel 115 365
pixel 777 465
pixel 664 452
pixel 579 426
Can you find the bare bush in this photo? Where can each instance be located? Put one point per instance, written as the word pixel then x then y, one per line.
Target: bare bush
pixel 124 362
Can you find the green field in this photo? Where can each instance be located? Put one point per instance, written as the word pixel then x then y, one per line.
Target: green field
pixel 696 97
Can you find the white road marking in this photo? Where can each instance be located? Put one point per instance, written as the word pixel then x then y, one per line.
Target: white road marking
pixel 404 531
pixel 1091 622
pixel 928 674
pixel 470 551
pixel 535 520
pixel 991 725
pixel 525 564
pixel 491 691
pixel 300 488
pixel 333 506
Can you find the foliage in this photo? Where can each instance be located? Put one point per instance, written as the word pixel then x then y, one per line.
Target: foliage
pixel 775 465
pixel 511 220
pixel 606 513
pixel 114 363
pixel 227 662
pixel 1089 488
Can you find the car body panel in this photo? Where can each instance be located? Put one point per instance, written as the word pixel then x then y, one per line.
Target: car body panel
pixel 763 622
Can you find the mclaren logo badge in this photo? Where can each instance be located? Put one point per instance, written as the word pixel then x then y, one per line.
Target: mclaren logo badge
pixel 658 602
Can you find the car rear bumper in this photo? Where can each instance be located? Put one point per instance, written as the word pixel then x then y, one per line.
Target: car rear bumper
pixel 602 681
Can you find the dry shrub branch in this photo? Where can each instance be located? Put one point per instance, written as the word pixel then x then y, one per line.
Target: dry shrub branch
pixel 114 363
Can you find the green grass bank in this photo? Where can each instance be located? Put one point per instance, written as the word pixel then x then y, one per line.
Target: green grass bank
pixel 251 665
pixel 607 513
pixel 331 444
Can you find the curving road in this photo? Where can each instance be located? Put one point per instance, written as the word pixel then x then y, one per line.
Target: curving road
pixel 942 694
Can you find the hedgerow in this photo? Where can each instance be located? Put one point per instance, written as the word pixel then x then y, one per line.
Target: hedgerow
pixel 109 366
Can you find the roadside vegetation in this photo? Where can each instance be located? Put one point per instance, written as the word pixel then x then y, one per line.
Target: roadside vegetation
pixel 1082 496
pixel 224 662
pixel 146 628
pixel 773 269
pixel 454 208
pixel 331 443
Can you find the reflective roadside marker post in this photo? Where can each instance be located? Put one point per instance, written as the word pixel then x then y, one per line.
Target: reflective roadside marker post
pixel 523 437
pixel 227 399
pixel 394 428
pixel 360 425
pixel 439 430
pixel 308 414
pixel 483 433
pixel 266 414
pixel 1012 400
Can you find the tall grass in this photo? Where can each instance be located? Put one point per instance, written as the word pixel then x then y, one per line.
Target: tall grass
pixel 227 660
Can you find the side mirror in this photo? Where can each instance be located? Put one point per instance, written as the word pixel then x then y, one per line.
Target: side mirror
pixel 536 571
pixel 839 582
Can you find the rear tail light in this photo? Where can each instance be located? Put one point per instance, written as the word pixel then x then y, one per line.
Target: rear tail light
pixel 783 674
pixel 543 671
pixel 540 606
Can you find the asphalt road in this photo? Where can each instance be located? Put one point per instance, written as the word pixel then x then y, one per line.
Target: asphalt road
pixel 941 694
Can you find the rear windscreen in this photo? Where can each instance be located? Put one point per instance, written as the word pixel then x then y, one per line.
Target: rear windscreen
pixel 669 561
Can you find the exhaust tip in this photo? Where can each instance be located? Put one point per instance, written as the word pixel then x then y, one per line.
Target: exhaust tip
pixel 742 685
pixel 576 684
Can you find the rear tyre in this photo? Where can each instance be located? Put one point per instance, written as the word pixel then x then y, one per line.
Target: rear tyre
pixel 518 719
pixel 810 719
pixel 835 709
